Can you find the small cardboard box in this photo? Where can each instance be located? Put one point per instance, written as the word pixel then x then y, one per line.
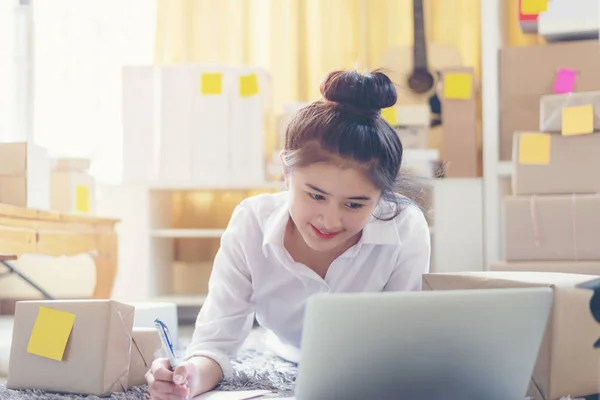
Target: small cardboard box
pixel 552 227
pixel 25 175
pixel 460 149
pixel 551 109
pixel 554 164
pixel 73 192
pixel 567 363
pixel 569 267
pixel 145 347
pixel 71 346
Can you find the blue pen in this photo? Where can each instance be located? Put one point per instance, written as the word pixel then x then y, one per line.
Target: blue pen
pixel 165 338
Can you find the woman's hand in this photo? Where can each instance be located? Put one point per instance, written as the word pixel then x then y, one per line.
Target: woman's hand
pixel 164 384
pixel 189 379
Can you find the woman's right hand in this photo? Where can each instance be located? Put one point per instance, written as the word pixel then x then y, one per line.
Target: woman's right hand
pixel 191 378
pixel 164 384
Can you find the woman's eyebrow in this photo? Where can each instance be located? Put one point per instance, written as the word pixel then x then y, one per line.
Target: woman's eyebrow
pixel 316 189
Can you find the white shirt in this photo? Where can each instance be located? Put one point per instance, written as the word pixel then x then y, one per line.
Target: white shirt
pixel 254 275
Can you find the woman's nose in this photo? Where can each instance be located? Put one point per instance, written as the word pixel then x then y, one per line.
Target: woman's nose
pixel 332 219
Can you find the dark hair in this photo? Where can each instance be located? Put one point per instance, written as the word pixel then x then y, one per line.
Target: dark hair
pixel 346 126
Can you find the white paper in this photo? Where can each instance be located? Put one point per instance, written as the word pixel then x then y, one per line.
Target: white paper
pixel 209 121
pixel 248 130
pixel 232 395
pixel 176 92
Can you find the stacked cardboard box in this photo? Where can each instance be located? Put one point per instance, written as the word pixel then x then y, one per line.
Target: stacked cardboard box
pixel 529 72
pixel 24 175
pixel 552 223
pixel 72 188
pixel 553 214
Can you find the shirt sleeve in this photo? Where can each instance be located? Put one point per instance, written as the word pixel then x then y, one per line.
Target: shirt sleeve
pixel 414 256
pixel 226 318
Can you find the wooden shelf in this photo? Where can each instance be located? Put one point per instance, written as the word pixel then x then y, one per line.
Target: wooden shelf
pixel 187 233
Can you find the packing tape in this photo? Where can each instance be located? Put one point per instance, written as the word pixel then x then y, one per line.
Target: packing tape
pixel 535 227
pixel 574 226
pixel 124 376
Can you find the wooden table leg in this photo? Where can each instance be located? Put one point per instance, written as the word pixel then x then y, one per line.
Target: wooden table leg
pixel 106 262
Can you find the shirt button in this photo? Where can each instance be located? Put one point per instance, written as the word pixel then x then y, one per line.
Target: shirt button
pixel 325 289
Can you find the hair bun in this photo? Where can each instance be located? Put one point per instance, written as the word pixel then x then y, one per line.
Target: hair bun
pixel 370 91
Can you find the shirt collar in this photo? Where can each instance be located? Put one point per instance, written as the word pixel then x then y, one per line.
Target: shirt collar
pixel 380 232
pixel 275 226
pixel 375 232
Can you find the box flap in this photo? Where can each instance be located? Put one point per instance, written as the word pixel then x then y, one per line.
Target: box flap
pixel 145 348
pixel 499 279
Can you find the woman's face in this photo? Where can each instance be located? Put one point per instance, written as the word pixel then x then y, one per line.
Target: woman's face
pixel 330 205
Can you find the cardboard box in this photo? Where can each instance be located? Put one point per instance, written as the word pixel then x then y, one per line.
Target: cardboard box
pixel 73 192
pixel 528 72
pixel 569 267
pixel 555 164
pixel 567 363
pixel 91 358
pixel 145 348
pixel 25 175
pixel 552 227
pixel 191 278
pixel 460 151
pixel 551 109
pixel 71 164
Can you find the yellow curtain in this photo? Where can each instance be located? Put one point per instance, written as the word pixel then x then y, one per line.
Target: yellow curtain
pixel 300 41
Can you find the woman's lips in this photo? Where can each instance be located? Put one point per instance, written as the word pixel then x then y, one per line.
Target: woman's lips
pixel 322 234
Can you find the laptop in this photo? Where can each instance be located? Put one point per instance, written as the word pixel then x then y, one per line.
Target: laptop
pixel 456 344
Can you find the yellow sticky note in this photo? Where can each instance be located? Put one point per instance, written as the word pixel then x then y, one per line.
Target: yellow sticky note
pixel 533 6
pixel 82 198
pixel 50 333
pixel 211 83
pixel 389 114
pixel 248 85
pixel 534 148
pixel 458 85
pixel 578 120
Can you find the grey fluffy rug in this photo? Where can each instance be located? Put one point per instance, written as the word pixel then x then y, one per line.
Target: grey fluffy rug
pixel 253 370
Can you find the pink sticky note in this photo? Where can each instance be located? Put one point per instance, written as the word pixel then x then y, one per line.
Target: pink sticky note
pixel 565 81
